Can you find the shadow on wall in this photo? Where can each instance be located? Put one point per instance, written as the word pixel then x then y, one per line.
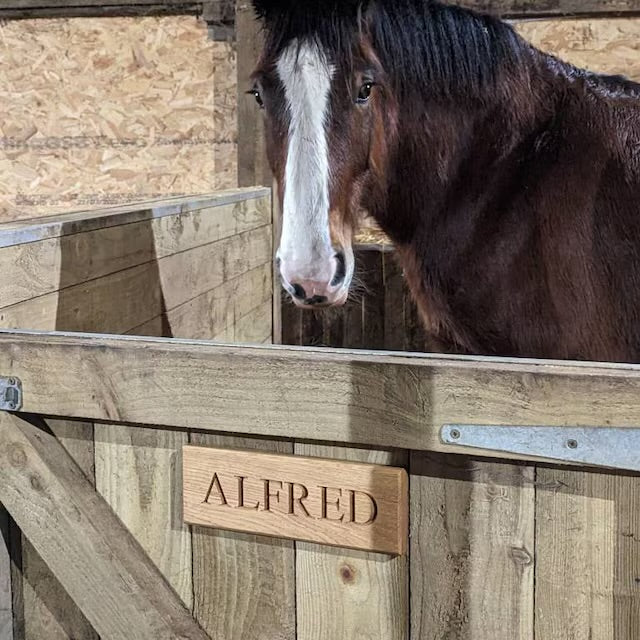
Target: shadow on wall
pixel 110 282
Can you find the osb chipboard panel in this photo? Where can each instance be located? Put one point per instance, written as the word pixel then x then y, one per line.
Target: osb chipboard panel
pixel 605 46
pixel 100 112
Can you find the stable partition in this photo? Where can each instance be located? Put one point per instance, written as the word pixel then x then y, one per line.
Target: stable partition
pixel 502 544
pixel 492 542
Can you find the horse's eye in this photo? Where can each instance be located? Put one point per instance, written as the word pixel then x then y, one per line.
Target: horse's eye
pixel 258 96
pixel 365 92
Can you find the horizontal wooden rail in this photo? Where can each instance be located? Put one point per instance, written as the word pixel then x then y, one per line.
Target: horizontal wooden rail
pixel 224 8
pixel 376 399
pixel 551 8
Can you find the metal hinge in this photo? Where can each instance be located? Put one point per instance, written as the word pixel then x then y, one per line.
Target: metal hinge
pixel 10 394
pixel 609 447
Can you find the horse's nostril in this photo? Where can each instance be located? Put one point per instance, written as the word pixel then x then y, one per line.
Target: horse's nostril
pixel 299 292
pixel 341 270
pixel 317 300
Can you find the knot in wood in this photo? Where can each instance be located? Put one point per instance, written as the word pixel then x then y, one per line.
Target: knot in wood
pixel 521 556
pixel 348 574
pixel 17 456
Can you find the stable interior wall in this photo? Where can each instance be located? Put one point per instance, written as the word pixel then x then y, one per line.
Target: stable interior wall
pixel 108 111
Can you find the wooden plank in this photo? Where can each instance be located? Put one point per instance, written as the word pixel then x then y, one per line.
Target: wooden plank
pixel 345 504
pixel 244 585
pixel 65 224
pixel 95 558
pixel 364 595
pixel 138 473
pixel 253 166
pixel 472 549
pixel 587 566
pixel 256 326
pixel 126 299
pixel 383 400
pixel 71 3
pixel 6 608
pixel 48 610
pixel 536 8
pixel 102 11
pixel 37 268
pixel 211 313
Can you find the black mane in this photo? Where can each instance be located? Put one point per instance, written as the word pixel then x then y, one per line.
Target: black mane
pixel 427 48
pixel 424 45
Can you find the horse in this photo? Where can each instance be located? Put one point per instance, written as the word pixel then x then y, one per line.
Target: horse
pixel 507 179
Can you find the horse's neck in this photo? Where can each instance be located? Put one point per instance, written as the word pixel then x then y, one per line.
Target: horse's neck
pixel 443 167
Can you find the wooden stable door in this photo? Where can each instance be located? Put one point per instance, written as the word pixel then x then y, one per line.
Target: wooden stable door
pixel 498 549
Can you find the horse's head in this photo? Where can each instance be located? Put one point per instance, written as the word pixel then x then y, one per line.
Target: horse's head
pixel 322 92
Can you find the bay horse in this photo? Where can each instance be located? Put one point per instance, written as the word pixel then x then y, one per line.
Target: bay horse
pixel 508 180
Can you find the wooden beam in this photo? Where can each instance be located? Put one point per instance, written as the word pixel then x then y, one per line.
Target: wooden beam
pixel 549 8
pixel 96 559
pixel 381 400
pixel 253 168
pixel 6 608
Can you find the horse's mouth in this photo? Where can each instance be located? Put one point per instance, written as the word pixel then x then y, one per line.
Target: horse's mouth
pixel 319 302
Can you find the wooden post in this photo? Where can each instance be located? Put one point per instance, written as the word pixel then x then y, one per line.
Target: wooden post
pixel 6 609
pixel 89 550
pixel 253 167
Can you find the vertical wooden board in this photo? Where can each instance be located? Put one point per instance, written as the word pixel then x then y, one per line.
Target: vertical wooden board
pixel 373 302
pixel 6 608
pixel 395 334
pixel 244 585
pixel 588 564
pixel 253 168
pixel 349 594
pixel 472 546
pixel 48 610
pixel 138 473
pixel 291 322
pixel 276 223
pixel 256 326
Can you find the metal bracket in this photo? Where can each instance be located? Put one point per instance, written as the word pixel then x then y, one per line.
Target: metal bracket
pixel 608 447
pixel 10 394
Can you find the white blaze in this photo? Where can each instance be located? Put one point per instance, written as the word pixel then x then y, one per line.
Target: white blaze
pixel 306 240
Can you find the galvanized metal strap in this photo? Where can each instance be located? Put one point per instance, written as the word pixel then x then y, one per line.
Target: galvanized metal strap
pixel 10 394
pixel 609 447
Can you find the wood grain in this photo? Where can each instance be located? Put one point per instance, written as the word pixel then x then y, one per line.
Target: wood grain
pixel 587 555
pixel 610 45
pixel 534 8
pixel 253 167
pixel 364 595
pixel 212 313
pixel 89 550
pixel 48 610
pixel 383 400
pixel 244 585
pixel 125 112
pixel 472 550
pixel 6 608
pixel 138 473
pixel 362 506
pixel 34 269
pixel 126 299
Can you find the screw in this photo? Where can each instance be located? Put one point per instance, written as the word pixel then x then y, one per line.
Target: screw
pixel 12 382
pixel 572 444
pixel 11 406
pixel 455 434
